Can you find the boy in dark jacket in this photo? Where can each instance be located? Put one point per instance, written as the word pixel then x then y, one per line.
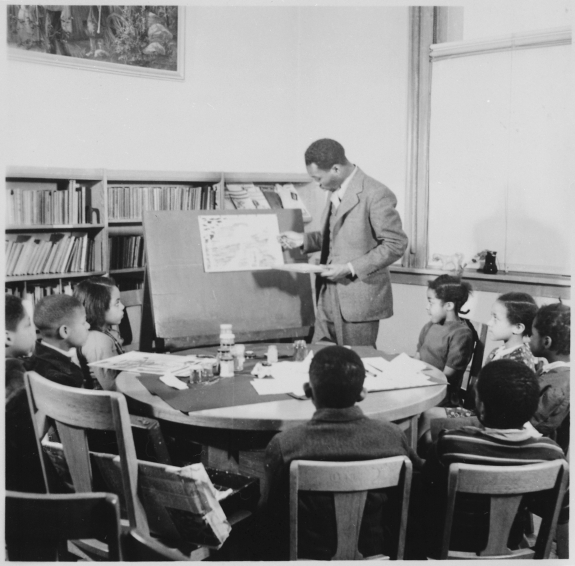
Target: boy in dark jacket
pixel 61 321
pixel 338 431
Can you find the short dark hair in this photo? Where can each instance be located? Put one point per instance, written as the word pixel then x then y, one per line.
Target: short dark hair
pixel 325 153
pixel 336 375
pixel 53 311
pixel 554 320
pixel 521 309
pixel 95 294
pixel 14 312
pixel 509 391
pixel 451 289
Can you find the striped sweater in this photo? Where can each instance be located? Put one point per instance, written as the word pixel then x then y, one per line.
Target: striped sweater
pixel 484 446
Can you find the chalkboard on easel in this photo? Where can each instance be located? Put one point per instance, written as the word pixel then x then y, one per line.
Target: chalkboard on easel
pixel 188 305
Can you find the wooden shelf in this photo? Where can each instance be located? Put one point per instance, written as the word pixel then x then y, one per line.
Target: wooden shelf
pixel 54 227
pixel 127 270
pixel 52 276
pixel 539 284
pixel 114 221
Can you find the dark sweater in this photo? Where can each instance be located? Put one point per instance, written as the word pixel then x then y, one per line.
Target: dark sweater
pixel 332 435
pixel 57 367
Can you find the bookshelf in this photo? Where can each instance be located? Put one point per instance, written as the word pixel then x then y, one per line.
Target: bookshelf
pixel 129 193
pixel 55 229
pixel 94 215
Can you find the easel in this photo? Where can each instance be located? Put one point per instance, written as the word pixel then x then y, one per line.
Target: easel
pixel 184 305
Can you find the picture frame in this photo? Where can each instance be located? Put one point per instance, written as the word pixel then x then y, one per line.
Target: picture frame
pixel 123 40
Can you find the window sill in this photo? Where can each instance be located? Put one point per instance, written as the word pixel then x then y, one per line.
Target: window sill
pixel 536 284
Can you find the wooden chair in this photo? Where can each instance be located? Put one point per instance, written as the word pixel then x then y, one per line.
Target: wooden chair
pixel 182 512
pixel 349 482
pixel 139 548
pixel 38 526
pixel 133 301
pixel 506 486
pixel 73 411
pixel 472 372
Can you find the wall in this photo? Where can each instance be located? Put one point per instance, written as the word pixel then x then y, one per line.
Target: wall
pixel 260 84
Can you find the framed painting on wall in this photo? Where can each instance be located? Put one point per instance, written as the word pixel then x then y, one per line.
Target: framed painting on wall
pixel 134 40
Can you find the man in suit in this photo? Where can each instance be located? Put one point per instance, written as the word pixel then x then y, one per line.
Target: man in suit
pixel 360 238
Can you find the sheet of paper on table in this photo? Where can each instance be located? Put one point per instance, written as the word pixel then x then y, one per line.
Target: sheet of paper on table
pixel 402 372
pixel 144 362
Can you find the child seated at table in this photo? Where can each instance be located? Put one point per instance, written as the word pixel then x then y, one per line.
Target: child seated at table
pixel 338 431
pixel 446 341
pixel 506 397
pixel 550 339
pixel 512 315
pixel 23 471
pixel 104 310
pixel 61 321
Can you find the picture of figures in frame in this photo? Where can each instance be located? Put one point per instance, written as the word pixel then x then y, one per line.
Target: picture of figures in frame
pixel 144 37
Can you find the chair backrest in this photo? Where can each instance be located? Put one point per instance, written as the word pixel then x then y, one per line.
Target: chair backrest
pixel 506 486
pixel 180 503
pixel 349 482
pixel 37 525
pixel 475 364
pixel 133 301
pixel 74 411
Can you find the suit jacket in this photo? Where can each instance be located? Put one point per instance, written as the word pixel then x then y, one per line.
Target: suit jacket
pixel 57 367
pixel 332 435
pixel 368 234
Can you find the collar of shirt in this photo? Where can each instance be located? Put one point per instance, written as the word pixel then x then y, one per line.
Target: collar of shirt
pixel 502 351
pixel 71 353
pixel 329 414
pixel 554 365
pixel 337 196
pixel 513 434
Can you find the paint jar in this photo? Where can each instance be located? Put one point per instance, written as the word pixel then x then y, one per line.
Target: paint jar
pixel 227 338
pixel 238 352
pixel 272 354
pixel 226 365
pixel 299 350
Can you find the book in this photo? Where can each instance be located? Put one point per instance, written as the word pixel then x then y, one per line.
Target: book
pixel 247 196
pixel 291 199
pixel 271 196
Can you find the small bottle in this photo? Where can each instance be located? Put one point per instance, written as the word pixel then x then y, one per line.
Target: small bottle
pixel 299 350
pixel 227 338
pixel 272 354
pixel 227 365
pixel 238 352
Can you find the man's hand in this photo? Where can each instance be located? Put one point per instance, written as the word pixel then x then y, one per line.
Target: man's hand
pixel 335 271
pixel 290 240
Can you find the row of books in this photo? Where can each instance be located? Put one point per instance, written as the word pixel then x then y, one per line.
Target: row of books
pixel 49 253
pixel 29 203
pixel 249 196
pixel 129 202
pixel 33 293
pixel 126 251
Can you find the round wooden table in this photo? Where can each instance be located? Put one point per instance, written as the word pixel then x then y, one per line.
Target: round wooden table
pixel 235 437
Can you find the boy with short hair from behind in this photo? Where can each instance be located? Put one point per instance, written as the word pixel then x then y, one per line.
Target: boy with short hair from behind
pixel 61 321
pixel 23 471
pixel 338 431
pixel 506 397
pixel 551 339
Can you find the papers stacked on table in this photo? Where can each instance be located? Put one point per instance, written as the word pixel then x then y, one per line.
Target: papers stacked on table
pixel 287 377
pixel 402 372
pixel 143 362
